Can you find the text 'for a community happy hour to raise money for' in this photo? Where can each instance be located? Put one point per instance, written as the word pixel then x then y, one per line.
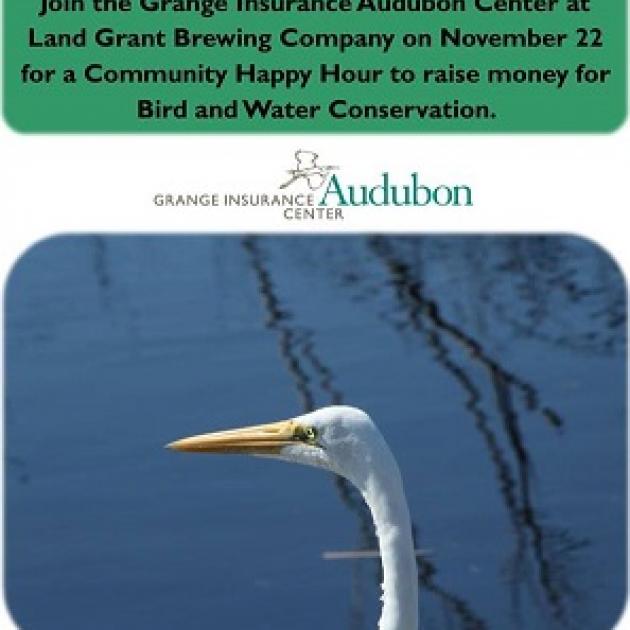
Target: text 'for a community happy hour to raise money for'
pixel 315 65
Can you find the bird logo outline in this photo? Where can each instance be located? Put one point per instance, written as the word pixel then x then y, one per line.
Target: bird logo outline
pixel 308 170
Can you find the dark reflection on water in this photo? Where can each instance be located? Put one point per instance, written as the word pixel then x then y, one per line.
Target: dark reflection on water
pixel 533 542
pixel 495 366
pixel 297 347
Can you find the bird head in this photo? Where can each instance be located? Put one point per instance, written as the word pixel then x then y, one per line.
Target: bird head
pixel 341 439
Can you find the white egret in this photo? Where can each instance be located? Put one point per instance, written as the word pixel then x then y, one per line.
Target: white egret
pixel 343 440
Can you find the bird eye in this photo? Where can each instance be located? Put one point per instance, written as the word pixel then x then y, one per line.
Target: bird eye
pixel 306 434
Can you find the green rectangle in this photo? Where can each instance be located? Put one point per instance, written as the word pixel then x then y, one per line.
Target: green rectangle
pixel 480 66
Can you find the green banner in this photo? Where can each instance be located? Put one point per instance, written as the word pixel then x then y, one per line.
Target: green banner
pixel 315 65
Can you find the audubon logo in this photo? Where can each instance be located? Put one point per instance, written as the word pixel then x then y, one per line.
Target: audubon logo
pixel 320 192
pixel 386 191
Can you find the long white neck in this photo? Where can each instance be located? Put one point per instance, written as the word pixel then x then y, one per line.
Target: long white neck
pixel 386 499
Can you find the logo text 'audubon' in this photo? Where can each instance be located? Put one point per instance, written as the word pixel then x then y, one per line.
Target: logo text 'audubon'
pixel 387 193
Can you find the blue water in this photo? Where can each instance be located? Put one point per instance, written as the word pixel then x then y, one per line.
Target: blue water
pixel 494 366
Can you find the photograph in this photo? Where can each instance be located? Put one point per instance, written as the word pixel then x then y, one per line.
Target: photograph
pixel 318 431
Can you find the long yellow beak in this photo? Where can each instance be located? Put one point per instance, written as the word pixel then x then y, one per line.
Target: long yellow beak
pixel 255 440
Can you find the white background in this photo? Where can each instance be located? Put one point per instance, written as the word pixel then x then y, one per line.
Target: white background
pixel 544 183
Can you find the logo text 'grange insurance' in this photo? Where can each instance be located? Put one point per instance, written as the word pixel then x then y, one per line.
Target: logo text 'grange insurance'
pixel 386 190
